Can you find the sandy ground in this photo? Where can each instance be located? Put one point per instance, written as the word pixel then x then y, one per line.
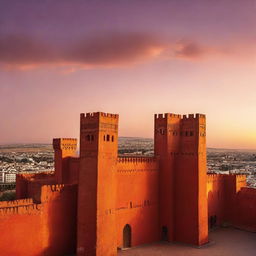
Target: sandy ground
pixel 223 242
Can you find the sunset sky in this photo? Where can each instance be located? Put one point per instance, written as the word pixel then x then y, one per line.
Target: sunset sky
pixel 134 58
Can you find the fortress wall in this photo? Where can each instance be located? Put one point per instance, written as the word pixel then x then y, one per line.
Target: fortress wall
pixel 21 228
pixel 71 170
pixel 60 214
pixel 29 185
pixel 137 199
pixel 233 184
pixel 245 209
pixel 225 193
pixel 34 191
pixel 21 186
pixel 216 197
pixel 48 228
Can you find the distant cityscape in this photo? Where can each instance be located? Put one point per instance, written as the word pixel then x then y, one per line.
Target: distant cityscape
pixel 34 158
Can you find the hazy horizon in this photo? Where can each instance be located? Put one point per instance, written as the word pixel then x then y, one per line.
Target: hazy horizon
pixel 122 137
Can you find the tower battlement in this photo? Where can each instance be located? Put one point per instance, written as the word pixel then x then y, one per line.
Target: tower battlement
pixel 64 143
pixel 93 115
pixel 193 116
pixel 184 117
pixel 166 115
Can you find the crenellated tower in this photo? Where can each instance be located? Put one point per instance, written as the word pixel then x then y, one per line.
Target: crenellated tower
pixel 180 146
pixel 191 218
pixel 166 136
pixel 64 148
pixel 97 184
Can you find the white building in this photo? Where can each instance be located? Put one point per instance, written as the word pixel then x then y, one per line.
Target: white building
pixel 10 178
pixel 6 177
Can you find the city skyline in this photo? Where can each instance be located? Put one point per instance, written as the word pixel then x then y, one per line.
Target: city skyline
pixel 134 58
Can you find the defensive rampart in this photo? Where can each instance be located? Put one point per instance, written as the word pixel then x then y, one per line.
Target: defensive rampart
pixel 230 202
pixel 245 209
pixel 137 199
pixel 46 228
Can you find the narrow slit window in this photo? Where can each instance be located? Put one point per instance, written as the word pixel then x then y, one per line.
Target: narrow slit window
pixel 108 137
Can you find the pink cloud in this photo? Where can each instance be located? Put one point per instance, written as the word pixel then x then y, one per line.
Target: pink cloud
pixel 105 51
pixel 189 50
pixel 21 52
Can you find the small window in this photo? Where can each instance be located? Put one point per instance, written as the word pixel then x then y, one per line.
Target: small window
pixel 130 204
pixel 191 133
pixel 104 137
pixel 112 138
pixel 108 137
pixel 186 134
pixel 88 137
pixel 92 137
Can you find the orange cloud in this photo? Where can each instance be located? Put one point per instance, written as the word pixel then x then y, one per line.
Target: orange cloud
pixel 115 49
pixel 106 51
pixel 21 52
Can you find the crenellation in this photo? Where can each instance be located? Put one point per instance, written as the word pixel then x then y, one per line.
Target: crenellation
pixel 17 202
pixel 166 116
pixel 193 116
pixel 135 159
pixel 64 144
pixel 94 115
pixel 21 209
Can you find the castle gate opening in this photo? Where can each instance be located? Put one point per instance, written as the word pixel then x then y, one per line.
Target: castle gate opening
pixel 127 236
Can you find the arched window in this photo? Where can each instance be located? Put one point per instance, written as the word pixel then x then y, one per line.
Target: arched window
pixel 127 236
pixel 108 137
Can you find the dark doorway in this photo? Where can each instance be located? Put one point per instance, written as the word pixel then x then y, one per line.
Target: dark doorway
pixel 164 233
pixel 127 236
pixel 213 222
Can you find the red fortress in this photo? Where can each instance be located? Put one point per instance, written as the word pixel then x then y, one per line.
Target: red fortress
pixel 98 202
